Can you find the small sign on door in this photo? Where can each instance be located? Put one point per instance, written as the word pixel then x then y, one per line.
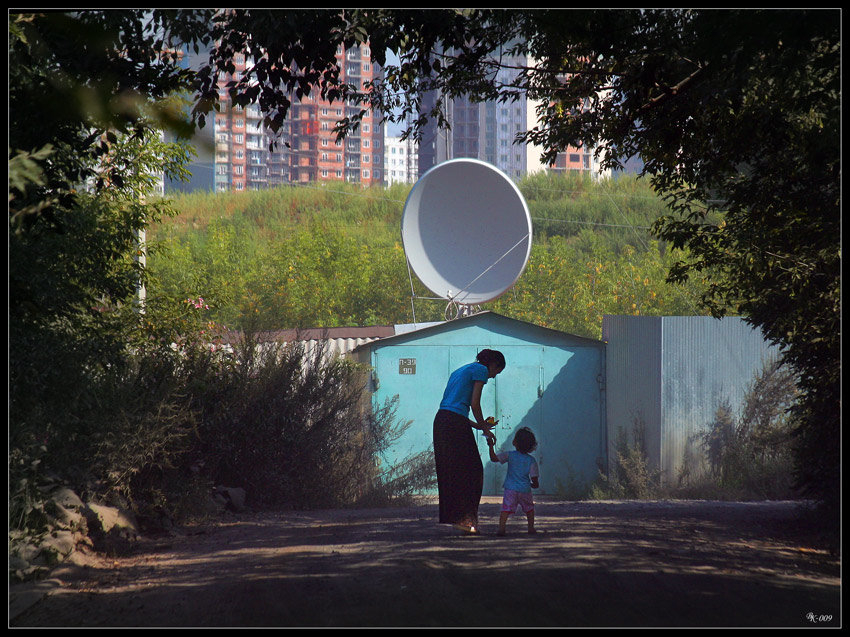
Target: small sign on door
pixel 406 365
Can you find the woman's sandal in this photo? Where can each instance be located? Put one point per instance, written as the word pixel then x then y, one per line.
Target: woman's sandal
pixel 467 530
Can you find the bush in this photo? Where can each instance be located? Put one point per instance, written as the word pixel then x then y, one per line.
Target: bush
pixel 631 477
pixel 749 457
pixel 752 456
pixel 288 426
pixel 158 431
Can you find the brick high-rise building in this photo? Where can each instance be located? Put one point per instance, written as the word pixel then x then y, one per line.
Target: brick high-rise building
pixel 306 149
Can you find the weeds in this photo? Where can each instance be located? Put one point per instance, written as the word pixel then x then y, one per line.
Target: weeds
pixel 157 433
pixel 749 457
pixel 631 476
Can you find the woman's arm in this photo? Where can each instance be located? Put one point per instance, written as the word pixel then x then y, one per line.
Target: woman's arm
pixel 475 404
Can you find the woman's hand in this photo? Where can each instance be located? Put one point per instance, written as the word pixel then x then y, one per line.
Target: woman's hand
pixel 489 424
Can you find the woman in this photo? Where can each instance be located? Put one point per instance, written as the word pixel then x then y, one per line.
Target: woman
pixel 460 474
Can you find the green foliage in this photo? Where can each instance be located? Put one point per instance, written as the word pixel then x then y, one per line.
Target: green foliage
pixel 86 88
pixel 674 87
pixel 27 482
pixel 110 397
pixel 631 475
pixel 288 426
pixel 751 456
pixel 331 256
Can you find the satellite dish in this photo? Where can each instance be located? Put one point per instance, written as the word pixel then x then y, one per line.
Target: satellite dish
pixel 466 231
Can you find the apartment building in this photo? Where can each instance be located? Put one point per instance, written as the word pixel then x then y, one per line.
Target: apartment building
pixel 306 148
pixel 483 130
pixel 488 131
pixel 401 160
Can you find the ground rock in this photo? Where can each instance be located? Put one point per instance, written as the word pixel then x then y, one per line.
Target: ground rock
pixel 66 498
pixel 69 518
pixel 111 529
pixel 58 545
pixel 233 497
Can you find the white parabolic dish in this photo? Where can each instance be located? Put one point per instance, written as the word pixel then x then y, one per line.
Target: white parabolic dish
pixel 466 231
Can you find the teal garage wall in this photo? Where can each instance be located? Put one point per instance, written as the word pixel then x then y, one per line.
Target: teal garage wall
pixel 553 383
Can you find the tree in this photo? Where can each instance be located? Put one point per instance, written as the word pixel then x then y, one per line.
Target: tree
pixel 86 94
pixel 87 91
pixel 736 112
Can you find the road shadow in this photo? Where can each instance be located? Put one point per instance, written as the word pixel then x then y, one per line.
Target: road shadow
pixel 592 565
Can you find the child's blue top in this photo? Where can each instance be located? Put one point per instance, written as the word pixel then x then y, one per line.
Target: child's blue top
pixel 521 468
pixel 458 392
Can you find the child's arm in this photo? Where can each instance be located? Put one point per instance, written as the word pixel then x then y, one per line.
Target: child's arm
pixel 534 483
pixel 491 443
pixel 534 474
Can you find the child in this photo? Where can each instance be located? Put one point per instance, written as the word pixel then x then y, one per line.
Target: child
pixel 522 476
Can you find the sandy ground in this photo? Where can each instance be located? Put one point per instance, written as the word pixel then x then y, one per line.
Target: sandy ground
pixel 593 564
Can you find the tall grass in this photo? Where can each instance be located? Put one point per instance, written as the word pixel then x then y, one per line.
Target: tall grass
pixel 749 455
pixel 158 432
pixel 278 258
pixel 276 211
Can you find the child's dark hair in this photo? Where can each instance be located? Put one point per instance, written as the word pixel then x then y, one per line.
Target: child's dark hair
pixel 487 356
pixel 525 441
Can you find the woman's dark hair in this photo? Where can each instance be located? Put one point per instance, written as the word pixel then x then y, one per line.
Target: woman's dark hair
pixel 487 356
pixel 525 441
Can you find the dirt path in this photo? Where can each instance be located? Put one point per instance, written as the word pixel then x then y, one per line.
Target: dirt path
pixel 594 564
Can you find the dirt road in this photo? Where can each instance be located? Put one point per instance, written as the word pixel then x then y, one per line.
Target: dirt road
pixel 594 564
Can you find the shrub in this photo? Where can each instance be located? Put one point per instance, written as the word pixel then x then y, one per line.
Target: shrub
pixel 287 425
pixel 630 477
pixel 751 456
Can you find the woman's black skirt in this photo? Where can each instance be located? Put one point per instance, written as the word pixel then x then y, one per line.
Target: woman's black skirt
pixel 460 474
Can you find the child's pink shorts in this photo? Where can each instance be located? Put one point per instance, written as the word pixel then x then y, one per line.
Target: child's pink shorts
pixel 512 499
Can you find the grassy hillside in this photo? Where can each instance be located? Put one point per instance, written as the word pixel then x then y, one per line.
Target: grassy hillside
pixel 330 255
